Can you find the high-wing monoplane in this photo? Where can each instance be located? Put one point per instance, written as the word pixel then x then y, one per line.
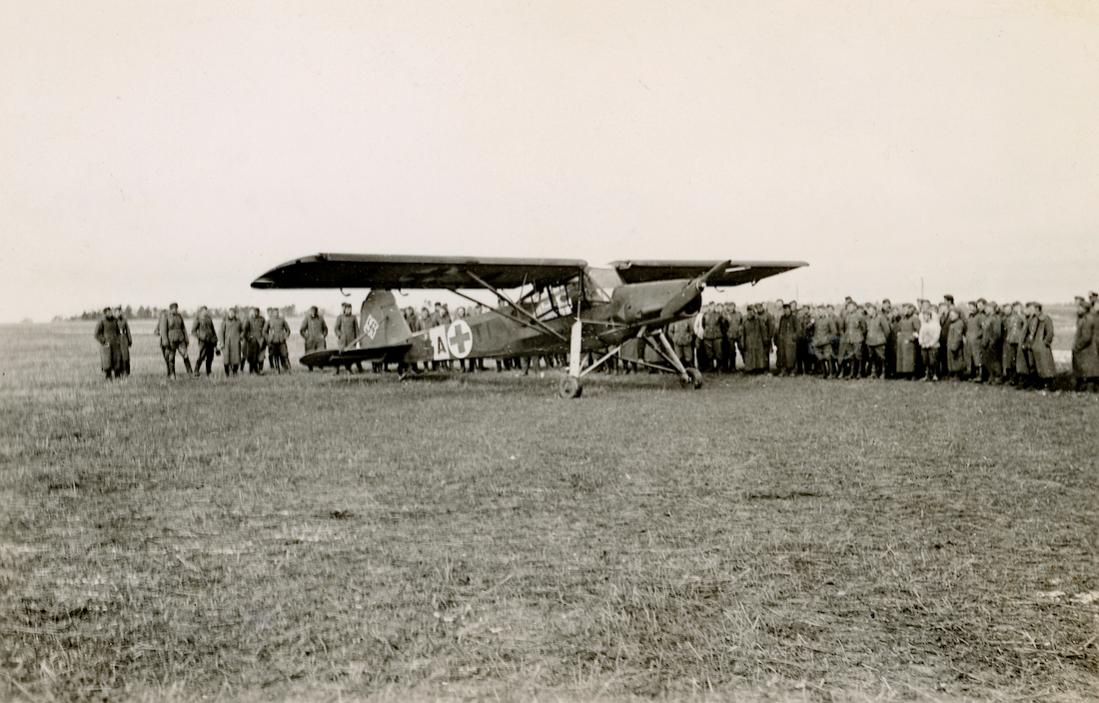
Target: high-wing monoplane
pixel 546 306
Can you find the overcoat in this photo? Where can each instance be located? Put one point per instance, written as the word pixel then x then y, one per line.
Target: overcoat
pixel 905 350
pixel 1042 347
pixel 992 341
pixel 789 330
pixel 1085 347
pixel 754 343
pixel 125 339
pixel 313 331
pixel 176 329
pixel 955 346
pixel 347 330
pixel 973 340
pixel 232 336
pixel 110 352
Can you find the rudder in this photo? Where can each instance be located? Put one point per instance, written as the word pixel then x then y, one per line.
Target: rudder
pixel 381 321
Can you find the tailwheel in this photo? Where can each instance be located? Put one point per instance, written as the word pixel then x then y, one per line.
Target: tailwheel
pixel 570 387
pixel 692 378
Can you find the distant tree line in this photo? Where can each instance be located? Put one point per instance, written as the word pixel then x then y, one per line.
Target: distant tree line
pixel 143 312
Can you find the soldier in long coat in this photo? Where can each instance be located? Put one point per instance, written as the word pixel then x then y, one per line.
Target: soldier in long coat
pixel 786 341
pixel 1085 346
pixel 905 347
pixel 973 362
pixel 955 345
pixel 1026 366
pixel 347 332
pixel 314 330
pixel 207 339
pixel 254 340
pixel 177 339
pixel 232 338
pixel 110 351
pixel 125 341
pixel 1042 348
pixel 992 342
pixel 755 342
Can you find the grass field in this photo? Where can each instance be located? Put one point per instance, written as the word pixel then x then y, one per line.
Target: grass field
pixel 322 537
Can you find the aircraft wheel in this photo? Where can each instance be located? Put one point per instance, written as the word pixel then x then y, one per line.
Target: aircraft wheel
pixel 692 379
pixel 570 387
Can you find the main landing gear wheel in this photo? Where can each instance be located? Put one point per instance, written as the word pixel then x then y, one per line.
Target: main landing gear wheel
pixel 693 378
pixel 570 387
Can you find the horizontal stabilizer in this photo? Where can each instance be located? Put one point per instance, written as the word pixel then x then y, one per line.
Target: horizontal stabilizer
pixel 334 357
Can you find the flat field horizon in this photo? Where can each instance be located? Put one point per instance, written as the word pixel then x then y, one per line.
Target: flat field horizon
pixel 322 537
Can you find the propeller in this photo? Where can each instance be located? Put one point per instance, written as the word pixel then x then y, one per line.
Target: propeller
pixel 691 291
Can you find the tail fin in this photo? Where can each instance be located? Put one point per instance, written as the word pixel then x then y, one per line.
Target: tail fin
pixel 381 321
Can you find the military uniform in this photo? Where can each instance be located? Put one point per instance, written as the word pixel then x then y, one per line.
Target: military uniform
pixel 786 343
pixel 276 332
pixel 1085 350
pixel 907 331
pixel 1014 331
pixel 733 322
pixel 825 328
pixel 254 342
pixel 755 342
pixel 203 332
pixel 973 346
pixel 878 330
pixel 177 342
pixel 683 339
pixel 955 347
pixel 314 330
pixel 1042 348
pixel 232 337
pixel 713 338
pixel 992 345
pixel 125 341
pixel 110 351
pixel 851 341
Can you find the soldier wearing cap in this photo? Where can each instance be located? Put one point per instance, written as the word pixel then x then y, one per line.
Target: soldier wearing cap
pixel 786 341
pixel 973 345
pixel 992 341
pixel 1014 331
pixel 825 328
pixel 906 348
pixel 852 337
pixel 347 332
pixel 955 345
pixel 177 339
pixel 1042 348
pixel 232 338
pixel 878 330
pixel 125 340
pixel 314 330
pixel 713 335
pixel 110 351
pixel 276 332
pixel 254 339
pixel 203 331
pixel 733 322
pixel 1085 346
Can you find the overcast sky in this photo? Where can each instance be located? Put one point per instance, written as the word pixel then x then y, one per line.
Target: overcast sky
pixel 158 151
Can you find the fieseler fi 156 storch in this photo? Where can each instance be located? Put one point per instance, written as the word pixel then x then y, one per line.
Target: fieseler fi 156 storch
pixel 555 306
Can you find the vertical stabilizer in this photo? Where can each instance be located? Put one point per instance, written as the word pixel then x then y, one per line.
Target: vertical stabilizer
pixel 381 321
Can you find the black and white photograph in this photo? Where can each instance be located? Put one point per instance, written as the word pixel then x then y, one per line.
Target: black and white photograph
pixel 626 350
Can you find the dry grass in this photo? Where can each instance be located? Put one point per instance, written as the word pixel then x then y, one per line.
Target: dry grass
pixel 320 537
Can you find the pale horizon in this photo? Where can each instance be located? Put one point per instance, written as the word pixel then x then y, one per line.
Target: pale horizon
pixel 173 152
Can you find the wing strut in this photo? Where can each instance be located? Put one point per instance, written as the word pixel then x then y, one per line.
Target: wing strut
pixel 538 323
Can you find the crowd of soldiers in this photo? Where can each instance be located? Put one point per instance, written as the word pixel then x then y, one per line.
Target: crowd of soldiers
pixel 981 341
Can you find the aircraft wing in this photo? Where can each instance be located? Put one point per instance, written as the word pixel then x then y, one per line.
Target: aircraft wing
pixel 735 274
pixel 405 272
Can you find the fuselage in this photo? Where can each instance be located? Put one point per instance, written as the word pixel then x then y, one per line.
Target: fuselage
pixel 610 312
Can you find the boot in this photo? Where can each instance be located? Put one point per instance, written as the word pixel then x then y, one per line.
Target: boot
pixel 187 364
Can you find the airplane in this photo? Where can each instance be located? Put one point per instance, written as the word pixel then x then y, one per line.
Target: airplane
pixel 562 306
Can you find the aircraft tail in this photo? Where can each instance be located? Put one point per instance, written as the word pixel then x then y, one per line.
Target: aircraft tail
pixel 382 322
